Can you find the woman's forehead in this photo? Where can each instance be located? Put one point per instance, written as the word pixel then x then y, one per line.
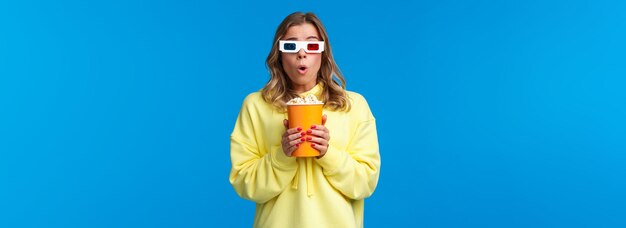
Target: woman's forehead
pixel 304 31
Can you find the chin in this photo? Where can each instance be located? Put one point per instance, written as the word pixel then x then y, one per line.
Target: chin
pixel 301 79
pixel 304 81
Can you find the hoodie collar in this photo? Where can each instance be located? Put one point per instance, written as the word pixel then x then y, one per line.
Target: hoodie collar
pixel 316 90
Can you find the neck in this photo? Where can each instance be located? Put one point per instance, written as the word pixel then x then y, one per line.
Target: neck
pixel 303 88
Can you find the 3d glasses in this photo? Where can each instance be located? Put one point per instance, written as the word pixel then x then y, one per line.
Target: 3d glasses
pixel 289 46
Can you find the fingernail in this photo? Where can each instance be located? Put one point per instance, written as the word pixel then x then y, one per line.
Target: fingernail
pixel 302 139
pixel 297 145
pixel 312 145
pixel 302 133
pixel 299 129
pixel 309 131
pixel 313 127
pixel 308 138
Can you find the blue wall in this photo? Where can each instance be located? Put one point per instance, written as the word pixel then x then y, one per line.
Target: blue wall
pixel 490 113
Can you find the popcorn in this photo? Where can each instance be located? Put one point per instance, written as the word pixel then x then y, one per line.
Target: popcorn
pixel 309 99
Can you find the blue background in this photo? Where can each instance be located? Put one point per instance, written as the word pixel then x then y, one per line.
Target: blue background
pixel 490 113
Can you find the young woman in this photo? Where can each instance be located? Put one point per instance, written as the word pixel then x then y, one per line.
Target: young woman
pixel 323 191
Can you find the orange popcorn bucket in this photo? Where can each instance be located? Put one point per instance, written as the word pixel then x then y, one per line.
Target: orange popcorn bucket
pixel 305 115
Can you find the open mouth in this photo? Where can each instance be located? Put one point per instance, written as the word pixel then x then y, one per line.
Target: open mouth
pixel 302 69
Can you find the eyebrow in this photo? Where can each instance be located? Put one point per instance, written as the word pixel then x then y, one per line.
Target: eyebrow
pixel 310 37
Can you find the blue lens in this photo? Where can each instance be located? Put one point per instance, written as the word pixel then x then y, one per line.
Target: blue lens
pixel 289 46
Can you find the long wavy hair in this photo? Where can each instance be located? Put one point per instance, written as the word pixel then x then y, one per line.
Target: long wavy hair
pixel 279 89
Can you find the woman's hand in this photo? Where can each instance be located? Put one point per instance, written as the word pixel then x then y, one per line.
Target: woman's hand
pixel 319 137
pixel 291 138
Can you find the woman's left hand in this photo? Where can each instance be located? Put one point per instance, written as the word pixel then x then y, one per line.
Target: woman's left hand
pixel 319 137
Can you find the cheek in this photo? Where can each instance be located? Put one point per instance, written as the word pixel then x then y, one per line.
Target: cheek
pixel 317 60
pixel 286 61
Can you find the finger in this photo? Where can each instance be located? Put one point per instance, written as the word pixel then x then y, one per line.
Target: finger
pixel 317 140
pixel 285 134
pixel 294 142
pixel 296 135
pixel 292 131
pixel 286 140
pixel 319 127
pixel 324 117
pixel 291 146
pixel 289 137
pixel 318 133
pixel 286 123
pixel 297 141
pixel 321 148
pixel 292 149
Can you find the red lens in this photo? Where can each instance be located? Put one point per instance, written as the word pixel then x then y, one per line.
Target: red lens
pixel 312 47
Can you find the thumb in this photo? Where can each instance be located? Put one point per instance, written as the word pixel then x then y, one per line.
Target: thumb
pixel 324 117
pixel 286 123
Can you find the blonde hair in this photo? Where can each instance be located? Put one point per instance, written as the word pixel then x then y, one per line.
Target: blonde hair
pixel 278 89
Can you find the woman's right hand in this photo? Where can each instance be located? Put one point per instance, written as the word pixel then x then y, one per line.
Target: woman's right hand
pixel 291 138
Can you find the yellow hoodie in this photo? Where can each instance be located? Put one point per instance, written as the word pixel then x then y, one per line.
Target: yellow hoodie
pixel 305 192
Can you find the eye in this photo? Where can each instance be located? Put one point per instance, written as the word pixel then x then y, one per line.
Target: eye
pixel 290 46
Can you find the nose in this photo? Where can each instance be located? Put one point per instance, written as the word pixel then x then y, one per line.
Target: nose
pixel 301 54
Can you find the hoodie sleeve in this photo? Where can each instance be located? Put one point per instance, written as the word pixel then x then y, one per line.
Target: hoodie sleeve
pixel 355 171
pixel 255 174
